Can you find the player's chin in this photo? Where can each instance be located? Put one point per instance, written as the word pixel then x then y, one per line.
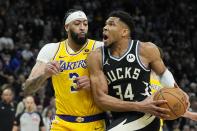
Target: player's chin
pixel 106 43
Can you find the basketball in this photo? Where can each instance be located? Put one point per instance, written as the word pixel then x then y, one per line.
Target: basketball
pixel 176 101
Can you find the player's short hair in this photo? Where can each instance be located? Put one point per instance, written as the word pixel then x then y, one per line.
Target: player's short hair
pixel 125 18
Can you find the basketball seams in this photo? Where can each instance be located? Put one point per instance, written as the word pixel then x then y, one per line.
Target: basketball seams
pixel 167 103
pixel 177 98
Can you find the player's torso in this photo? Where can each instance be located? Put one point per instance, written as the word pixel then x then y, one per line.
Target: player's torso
pixel 68 99
pixel 127 77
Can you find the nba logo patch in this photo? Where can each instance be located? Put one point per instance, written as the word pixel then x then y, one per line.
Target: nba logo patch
pixel 130 57
pixel 86 51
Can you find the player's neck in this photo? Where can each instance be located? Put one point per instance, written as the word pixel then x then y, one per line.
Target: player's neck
pixel 120 47
pixel 72 44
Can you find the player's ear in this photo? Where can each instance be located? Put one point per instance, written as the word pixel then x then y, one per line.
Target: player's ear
pixel 125 32
pixel 66 27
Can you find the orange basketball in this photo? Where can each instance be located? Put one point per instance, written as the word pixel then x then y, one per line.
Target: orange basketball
pixel 176 101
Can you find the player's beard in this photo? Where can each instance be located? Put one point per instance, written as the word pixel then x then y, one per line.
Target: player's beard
pixel 78 40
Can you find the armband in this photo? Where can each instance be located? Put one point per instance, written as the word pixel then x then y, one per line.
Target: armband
pixel 167 79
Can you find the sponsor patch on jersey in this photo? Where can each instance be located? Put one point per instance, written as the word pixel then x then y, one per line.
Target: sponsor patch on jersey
pixel 130 57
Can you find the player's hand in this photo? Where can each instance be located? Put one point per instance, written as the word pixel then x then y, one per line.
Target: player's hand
pixel 83 82
pixel 52 68
pixel 152 106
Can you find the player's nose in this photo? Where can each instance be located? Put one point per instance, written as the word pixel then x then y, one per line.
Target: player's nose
pixel 105 28
pixel 82 27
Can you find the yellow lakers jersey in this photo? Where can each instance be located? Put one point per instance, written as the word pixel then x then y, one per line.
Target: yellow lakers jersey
pixel 69 100
pixel 155 86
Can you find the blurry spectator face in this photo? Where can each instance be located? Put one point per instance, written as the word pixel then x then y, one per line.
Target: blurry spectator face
pixel 49 113
pixel 29 103
pixel 21 78
pixel 7 95
pixel 6 57
pixel 11 79
pixel 78 30
pixel 52 101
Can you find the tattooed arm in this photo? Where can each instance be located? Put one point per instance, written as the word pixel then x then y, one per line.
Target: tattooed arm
pixel 39 74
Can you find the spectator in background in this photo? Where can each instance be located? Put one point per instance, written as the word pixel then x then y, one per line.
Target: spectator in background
pixel 51 107
pixel 7 109
pixel 47 119
pixel 27 53
pixel 30 119
pixel 24 21
pixel 20 107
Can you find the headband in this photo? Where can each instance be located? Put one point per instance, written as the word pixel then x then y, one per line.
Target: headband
pixel 74 16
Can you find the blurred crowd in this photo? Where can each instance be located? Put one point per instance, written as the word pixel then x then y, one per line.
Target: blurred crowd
pixel 25 26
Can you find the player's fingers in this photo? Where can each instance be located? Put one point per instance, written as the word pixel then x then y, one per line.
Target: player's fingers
pixel 51 71
pixel 84 85
pixel 162 110
pixel 82 79
pixel 56 64
pixel 52 68
pixel 163 116
pixel 160 114
pixel 160 102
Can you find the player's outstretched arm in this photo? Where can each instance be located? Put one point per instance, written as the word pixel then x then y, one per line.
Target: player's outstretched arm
pixel 39 74
pixel 190 115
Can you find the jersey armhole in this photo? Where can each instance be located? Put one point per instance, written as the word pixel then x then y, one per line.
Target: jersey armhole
pixel 138 57
pixel 57 50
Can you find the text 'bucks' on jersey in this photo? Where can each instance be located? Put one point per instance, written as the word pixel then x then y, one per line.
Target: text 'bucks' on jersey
pixel 128 79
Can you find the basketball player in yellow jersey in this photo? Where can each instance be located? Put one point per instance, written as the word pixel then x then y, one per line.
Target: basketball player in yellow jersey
pixel 155 86
pixel 65 62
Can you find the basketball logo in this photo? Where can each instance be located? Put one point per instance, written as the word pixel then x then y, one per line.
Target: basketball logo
pixel 130 57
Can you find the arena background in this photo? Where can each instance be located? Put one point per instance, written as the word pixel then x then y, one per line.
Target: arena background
pixel 26 25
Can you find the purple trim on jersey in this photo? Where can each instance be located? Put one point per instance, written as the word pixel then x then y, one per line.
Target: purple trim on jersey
pixel 57 51
pixel 94 45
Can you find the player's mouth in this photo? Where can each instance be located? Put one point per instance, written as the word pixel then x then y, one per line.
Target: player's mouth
pixel 105 37
pixel 82 35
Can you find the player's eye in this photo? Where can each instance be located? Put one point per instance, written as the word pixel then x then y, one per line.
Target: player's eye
pixel 76 23
pixel 85 24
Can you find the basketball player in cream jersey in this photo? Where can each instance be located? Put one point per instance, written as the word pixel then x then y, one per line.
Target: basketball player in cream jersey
pixel 65 62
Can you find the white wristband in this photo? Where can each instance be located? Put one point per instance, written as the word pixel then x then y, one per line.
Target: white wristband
pixel 167 79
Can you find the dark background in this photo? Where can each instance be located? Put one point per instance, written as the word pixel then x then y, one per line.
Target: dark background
pixel 26 25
